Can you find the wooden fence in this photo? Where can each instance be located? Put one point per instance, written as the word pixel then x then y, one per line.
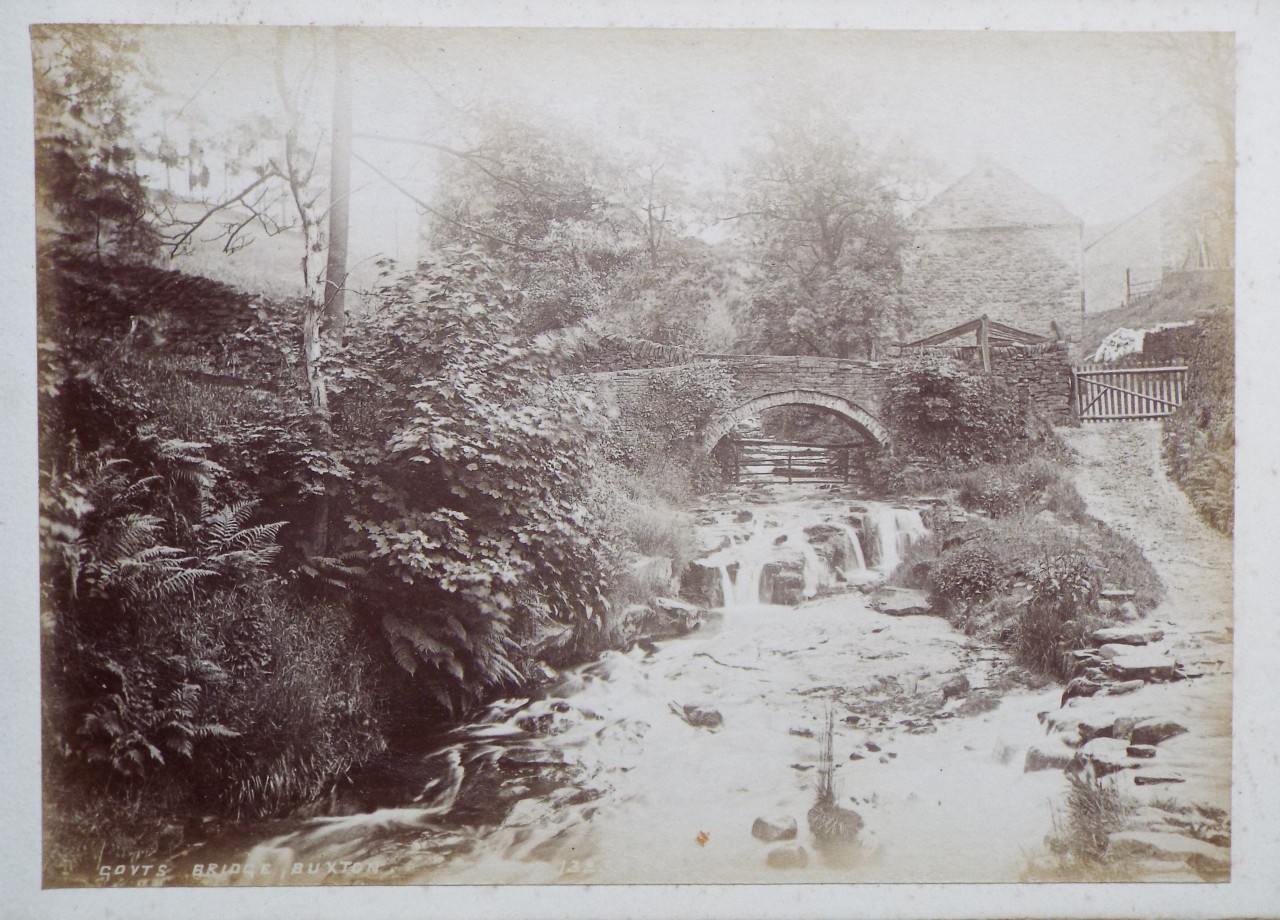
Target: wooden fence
pixel 1109 393
pixel 773 461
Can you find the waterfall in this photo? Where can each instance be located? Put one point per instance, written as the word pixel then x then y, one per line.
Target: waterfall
pixel 896 529
pixel 855 545
pixel 796 550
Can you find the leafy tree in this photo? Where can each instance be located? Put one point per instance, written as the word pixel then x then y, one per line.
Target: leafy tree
pixel 468 488
pixel 821 213
pixel 87 184
pixel 547 211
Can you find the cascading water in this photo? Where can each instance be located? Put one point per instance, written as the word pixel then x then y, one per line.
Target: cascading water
pixel 609 778
pixel 896 529
pixel 802 538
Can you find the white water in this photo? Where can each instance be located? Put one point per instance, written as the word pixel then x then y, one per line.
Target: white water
pixel 776 535
pixel 644 796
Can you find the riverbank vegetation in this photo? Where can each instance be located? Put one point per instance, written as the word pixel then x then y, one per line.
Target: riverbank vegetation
pixel 1025 565
pixel 1199 437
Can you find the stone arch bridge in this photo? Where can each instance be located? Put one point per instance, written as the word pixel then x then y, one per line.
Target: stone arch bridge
pixel 852 390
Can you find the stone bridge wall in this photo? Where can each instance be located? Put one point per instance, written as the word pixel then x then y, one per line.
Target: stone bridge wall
pixel 853 389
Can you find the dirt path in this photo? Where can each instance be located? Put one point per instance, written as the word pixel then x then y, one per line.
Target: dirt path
pixel 1121 477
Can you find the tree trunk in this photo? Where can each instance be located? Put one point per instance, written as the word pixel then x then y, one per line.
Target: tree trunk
pixel 335 274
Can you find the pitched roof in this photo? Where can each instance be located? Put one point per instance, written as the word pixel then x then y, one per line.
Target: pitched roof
pixel 992 196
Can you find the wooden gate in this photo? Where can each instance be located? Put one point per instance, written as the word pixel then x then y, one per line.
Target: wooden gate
pixel 763 459
pixel 1105 393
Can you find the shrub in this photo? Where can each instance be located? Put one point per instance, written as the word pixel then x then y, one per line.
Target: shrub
pixel 663 423
pixel 940 412
pixel 1004 489
pixel 1059 615
pixel 966 573
pixel 1033 585
pixel 465 483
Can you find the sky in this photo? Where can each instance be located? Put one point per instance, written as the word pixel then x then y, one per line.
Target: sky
pixel 1096 120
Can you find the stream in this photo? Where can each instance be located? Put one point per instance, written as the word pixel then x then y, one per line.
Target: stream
pixel 653 764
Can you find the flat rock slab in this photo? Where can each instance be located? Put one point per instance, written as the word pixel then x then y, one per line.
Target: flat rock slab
pixel 1158 779
pixel 903 602
pixel 1141 664
pixel 1128 635
pixel 1154 731
pixel 1167 846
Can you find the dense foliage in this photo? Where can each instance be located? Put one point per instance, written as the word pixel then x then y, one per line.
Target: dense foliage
pixel 1026 569
pixel 1199 438
pixel 464 464
pixel 822 215
pixel 943 413
pixel 86 173
pixel 662 423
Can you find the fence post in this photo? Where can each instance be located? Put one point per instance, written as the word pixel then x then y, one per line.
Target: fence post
pixel 984 344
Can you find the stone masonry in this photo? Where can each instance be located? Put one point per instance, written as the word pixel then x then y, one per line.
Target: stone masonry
pixel 993 244
pixel 854 390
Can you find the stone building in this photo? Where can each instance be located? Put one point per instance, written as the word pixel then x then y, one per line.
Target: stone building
pixel 992 244
pixel 1188 231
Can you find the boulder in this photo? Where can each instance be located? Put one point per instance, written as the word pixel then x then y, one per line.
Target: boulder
pixel 1123 726
pixel 776 827
pixel 956 687
pixel 1142 664
pixel 697 715
pixel 1141 751
pixel 743 517
pixel 1154 731
pixel 1128 612
pixel 1103 756
pixel 1127 635
pixel 652 570
pixel 788 856
pixel 662 618
pixel 902 602
pixel 702 584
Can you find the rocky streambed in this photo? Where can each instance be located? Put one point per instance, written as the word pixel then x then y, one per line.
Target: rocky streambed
pixel 801 723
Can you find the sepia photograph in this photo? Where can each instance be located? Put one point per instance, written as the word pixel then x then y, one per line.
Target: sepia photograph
pixel 633 456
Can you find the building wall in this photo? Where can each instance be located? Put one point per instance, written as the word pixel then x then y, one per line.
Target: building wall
pixel 1025 277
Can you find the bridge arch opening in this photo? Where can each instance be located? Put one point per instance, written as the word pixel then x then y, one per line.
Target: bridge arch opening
pixel 850 412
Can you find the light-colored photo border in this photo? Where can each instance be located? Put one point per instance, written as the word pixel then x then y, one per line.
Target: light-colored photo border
pixel 1254 890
